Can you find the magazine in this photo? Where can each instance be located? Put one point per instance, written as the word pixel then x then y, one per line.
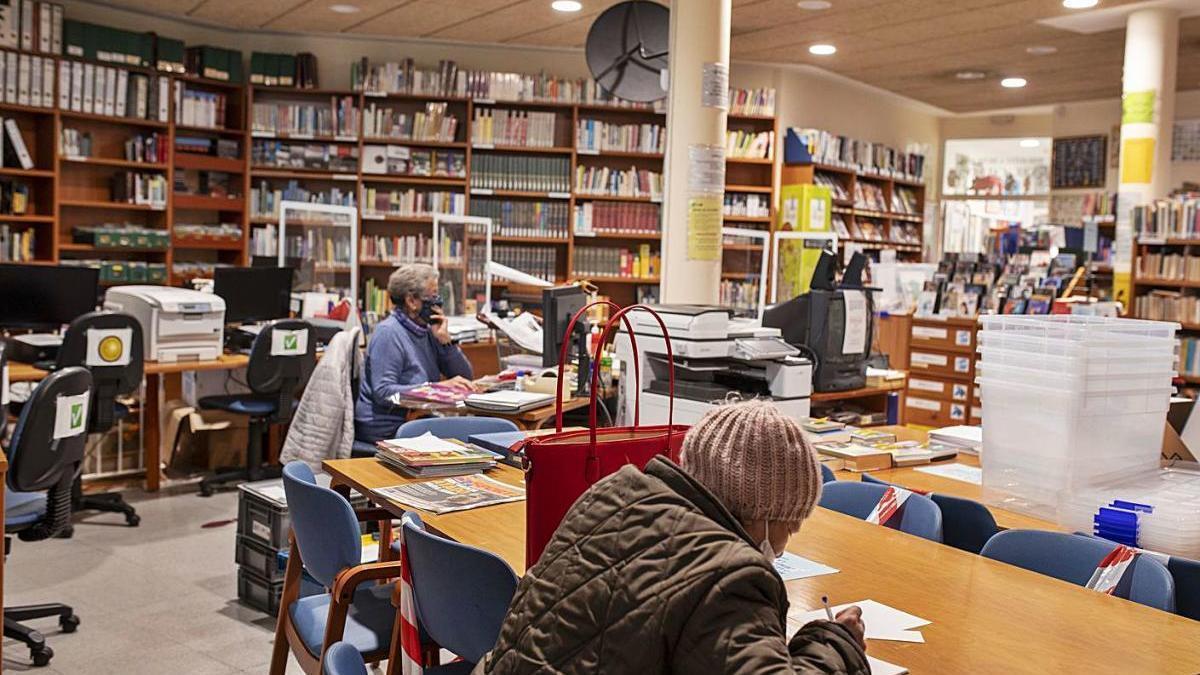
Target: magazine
pixel 447 495
pixel 434 393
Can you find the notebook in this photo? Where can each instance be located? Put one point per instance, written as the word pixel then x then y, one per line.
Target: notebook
pixel 508 401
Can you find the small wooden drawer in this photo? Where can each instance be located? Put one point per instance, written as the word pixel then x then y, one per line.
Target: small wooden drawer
pixel 933 412
pixel 941 363
pixel 942 336
pixel 925 385
pixel 975 415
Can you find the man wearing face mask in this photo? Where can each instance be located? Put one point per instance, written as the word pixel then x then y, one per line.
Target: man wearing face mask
pixel 409 348
pixel 669 570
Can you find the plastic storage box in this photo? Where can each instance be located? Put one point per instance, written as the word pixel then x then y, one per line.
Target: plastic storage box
pixel 1158 510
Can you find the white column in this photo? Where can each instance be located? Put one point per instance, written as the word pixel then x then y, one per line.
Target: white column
pixel 1147 121
pixel 699 55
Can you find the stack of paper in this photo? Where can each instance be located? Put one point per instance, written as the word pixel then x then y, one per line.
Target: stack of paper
pixel 508 401
pixel 428 457
pixel 964 438
pixel 882 622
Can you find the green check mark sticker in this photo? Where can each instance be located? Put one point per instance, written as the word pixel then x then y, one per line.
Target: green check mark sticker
pixel 289 342
pixel 76 415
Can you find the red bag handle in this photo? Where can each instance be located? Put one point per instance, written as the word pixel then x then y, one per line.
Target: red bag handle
pixel 562 362
pixel 608 329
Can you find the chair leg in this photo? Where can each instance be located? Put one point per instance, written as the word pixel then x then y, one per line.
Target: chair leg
pixel 105 502
pixel 252 471
pixel 39 652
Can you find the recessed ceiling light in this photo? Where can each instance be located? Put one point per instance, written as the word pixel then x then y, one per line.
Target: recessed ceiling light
pixel 345 9
pixel 1030 142
pixel 822 50
pixel 1013 82
pixel 566 5
pixel 970 75
pixel 1080 4
pixel 1041 50
pixel 814 5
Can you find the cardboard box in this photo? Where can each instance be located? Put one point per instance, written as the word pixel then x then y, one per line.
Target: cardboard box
pixel 204 440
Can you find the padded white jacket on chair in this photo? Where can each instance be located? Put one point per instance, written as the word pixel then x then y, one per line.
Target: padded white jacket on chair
pixel 323 426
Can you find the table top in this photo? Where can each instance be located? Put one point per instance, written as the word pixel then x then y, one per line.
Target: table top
pixel 987 616
pixel 875 386
pixel 24 372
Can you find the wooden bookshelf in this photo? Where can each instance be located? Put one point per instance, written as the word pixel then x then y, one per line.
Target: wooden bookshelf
pixel 749 178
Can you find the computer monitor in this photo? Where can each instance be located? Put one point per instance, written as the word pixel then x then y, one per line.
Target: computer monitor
pixel 559 304
pixel 817 321
pixel 46 296
pixel 254 293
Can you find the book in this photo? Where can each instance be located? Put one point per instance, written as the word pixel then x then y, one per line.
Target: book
pixel 500 442
pixel 856 457
pixel 872 437
pixel 17 143
pixel 433 393
pixel 820 425
pixel 508 401
pixel 447 495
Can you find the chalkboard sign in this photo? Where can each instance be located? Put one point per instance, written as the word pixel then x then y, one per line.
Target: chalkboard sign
pixel 1079 162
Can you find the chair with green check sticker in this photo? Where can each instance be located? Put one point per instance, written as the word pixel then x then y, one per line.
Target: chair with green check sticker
pixel 282 359
pixel 44 457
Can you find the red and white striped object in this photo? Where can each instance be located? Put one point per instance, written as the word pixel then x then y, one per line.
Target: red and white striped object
pixel 410 639
pixel 891 501
pixel 1108 574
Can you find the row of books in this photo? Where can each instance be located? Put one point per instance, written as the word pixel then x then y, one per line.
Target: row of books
pixel 95 42
pixel 336 157
pixel 739 295
pixel 195 108
pixel 904 200
pixel 607 181
pixel 123 271
pixel 32 26
pixel 511 218
pixel 399 160
pixel 284 70
pixel 525 128
pixel 195 269
pixel 226 148
pixel 14 197
pixel 214 63
pixel 1169 266
pixel 749 205
pixel 411 202
pixel 749 144
pixel 601 136
pixel 869 196
pixel 541 262
pixel 410 248
pixel 212 232
pixel 1168 306
pixel 121 235
pixel 837 187
pixel 758 102
pixel 823 147
pixel 143 147
pixel 16 245
pixel 337 118
pixel 430 457
pixel 27 80
pixel 606 261
pixel 434 123
pixel 1189 356
pixel 108 90
pixel 134 187
pixel 521 172
pixel 375 299
pixel 1071 208
pixel 208 183
pixel 264 241
pixel 265 197
pixel 1178 217
pixel 329 249
pixel 592 218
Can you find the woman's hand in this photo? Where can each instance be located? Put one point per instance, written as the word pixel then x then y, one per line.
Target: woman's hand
pixel 460 382
pixel 851 618
pixel 438 325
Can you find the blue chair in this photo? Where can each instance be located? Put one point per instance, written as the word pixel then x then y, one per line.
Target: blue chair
pixel 458 428
pixel 1186 574
pixel 41 471
pixel 827 474
pixel 966 524
pixel 326 542
pixel 461 593
pixel 343 659
pixel 1074 558
pixel 918 516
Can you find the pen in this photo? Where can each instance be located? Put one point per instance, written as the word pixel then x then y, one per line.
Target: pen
pixel 828 612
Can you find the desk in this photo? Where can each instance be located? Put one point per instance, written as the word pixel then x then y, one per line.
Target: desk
pixel 526 421
pixel 874 394
pixel 987 616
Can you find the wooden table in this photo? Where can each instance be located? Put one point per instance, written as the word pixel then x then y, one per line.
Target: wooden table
pixel 526 421
pixel 875 394
pixel 988 617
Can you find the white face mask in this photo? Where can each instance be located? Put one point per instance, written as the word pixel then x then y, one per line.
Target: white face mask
pixel 767 550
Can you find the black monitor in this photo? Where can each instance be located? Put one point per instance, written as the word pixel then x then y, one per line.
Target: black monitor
pixel 254 293
pixel 816 322
pixel 46 296
pixel 559 304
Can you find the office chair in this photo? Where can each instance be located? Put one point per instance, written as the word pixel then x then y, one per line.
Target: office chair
pixel 44 457
pixel 918 516
pixel 274 376
pixel 461 594
pixel 109 380
pixel 966 524
pixel 343 659
pixel 1073 558
pixel 827 474
pixel 457 427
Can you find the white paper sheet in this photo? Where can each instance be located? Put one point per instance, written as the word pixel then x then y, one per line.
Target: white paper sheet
pixel 791 566
pixel 881 667
pixel 71 415
pixel 427 443
pixel 854 338
pixel 882 622
pixel 962 472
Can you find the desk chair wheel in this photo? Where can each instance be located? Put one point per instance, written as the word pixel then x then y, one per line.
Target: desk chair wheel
pixel 41 655
pixel 69 624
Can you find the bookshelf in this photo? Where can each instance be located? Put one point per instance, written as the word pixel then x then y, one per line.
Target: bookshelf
pixel 751 179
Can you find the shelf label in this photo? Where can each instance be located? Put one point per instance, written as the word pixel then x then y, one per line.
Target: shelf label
pixel 375 94
pixel 922 403
pixel 929 332
pixel 559 195
pixel 372 216
pixel 348 139
pixel 344 176
pixel 484 146
pixel 587 151
pixel 924 359
pixel 482 191
pixel 925 385
pixel 301 137
pixel 261 134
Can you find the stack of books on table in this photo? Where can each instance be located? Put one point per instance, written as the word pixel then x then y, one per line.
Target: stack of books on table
pixel 872 450
pixel 508 401
pixel 431 457
pixel 962 438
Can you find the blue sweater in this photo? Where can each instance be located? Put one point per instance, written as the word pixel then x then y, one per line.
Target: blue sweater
pixel 401 355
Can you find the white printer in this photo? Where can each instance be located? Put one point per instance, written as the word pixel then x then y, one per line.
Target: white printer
pixel 178 324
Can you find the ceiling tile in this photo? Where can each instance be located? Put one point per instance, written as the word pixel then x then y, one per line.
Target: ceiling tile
pixel 244 14
pixel 315 15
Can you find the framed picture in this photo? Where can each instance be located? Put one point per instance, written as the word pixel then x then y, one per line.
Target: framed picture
pixel 1079 162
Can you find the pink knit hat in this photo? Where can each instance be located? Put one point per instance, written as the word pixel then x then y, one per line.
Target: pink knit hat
pixel 755 460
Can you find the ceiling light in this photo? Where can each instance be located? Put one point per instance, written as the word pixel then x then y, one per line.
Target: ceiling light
pixel 970 75
pixel 566 5
pixel 822 50
pixel 345 9
pixel 1013 82
pixel 1080 4
pixel 1030 142
pixel 814 5
pixel 1041 50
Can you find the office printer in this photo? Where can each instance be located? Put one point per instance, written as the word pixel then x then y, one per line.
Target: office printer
pixel 178 324
pixel 716 358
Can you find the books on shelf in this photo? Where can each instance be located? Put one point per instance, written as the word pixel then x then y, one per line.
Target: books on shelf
pixel 410 248
pixel 593 218
pixel 869 196
pixel 1162 305
pixel 16 245
pixel 283 70
pixel 1174 218
pixel 133 187
pixel 739 295
pixel 230 233
pixel 1171 266
pixel 214 63
pixel 196 108
pixel 433 124
pixel 607 181
pixel 150 147
pixel 837 187
pixel 1189 353
pixel 808 146
pixel 904 201
pixel 748 205
pixel 520 172
pixel 13 151
pixel 446 495
pixel 749 144
pixel 606 261
pixel 113 91
pixel 595 136
pixel 756 102
pixel 411 202
pixel 326 247
pixel 31 26
pixel 264 241
pixel 333 157
pixel 523 218
pixel 338 118
pixel 265 197
pixel 399 160
pixel 541 262
pixel 27 79
pixel 524 128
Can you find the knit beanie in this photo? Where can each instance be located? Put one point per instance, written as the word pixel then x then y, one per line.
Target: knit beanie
pixel 755 460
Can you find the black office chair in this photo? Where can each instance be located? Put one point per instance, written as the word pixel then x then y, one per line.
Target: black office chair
pixel 86 344
pixel 274 377
pixel 44 457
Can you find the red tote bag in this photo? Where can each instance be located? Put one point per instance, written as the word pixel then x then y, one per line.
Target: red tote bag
pixel 562 466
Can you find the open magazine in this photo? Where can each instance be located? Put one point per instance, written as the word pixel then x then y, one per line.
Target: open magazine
pixel 447 495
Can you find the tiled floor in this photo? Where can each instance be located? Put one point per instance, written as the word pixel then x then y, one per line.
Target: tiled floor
pixel 159 598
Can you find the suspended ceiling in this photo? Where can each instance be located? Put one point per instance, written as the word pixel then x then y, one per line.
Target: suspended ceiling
pixel 910 47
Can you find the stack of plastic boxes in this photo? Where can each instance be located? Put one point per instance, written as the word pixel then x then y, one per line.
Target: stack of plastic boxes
pixel 1159 511
pixel 1070 403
